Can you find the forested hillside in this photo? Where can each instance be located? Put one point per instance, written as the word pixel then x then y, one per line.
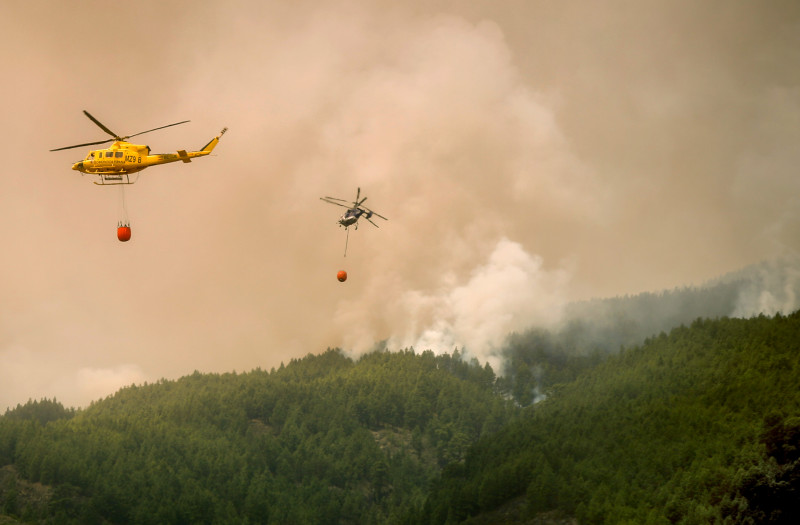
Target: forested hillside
pixel 321 440
pixel 606 324
pixel 697 426
pixel 535 359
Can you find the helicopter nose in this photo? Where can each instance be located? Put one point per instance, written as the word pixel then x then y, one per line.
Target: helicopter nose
pixel 78 166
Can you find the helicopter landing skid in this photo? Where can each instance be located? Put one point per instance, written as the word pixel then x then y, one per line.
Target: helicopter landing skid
pixel 114 179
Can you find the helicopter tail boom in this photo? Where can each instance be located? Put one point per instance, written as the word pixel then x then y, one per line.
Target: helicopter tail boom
pixel 208 148
pixel 182 155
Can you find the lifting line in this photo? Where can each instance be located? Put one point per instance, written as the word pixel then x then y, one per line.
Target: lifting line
pixel 123 208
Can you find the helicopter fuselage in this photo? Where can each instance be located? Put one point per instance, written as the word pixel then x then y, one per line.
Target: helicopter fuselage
pixel 121 157
pixel 115 163
pixel 352 215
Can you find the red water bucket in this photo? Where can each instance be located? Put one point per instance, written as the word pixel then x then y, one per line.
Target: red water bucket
pixel 124 233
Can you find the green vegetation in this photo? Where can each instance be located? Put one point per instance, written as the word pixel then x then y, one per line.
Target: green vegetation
pixel 322 440
pixel 700 425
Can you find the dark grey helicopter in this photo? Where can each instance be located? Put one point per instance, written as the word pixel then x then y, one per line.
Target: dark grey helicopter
pixel 355 211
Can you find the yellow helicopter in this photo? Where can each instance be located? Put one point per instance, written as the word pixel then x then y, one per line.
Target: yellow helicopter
pixel 115 164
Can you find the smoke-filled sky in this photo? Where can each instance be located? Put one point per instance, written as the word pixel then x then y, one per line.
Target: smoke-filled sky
pixel 526 153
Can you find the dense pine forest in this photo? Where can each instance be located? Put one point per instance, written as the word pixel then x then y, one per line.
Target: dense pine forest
pixel 698 426
pixel 694 424
pixel 321 440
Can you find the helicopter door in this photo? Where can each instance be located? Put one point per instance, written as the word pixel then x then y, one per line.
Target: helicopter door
pixel 113 158
pixel 106 157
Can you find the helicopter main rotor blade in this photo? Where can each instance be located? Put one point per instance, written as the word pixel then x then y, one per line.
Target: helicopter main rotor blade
pixel 116 137
pixel 100 124
pixel 149 130
pixel 370 221
pixel 376 214
pixel 324 199
pixel 335 199
pixel 82 145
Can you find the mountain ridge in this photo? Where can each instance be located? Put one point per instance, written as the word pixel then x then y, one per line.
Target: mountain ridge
pixel 413 437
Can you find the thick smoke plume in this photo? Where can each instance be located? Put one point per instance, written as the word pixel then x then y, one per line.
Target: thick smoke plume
pixel 511 291
pixel 526 154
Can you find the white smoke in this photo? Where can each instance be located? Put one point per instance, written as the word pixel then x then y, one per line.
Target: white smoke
pixel 24 375
pixel 464 123
pixel 510 292
pixel 773 287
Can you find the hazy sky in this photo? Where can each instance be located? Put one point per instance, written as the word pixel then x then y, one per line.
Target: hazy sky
pixel 526 153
